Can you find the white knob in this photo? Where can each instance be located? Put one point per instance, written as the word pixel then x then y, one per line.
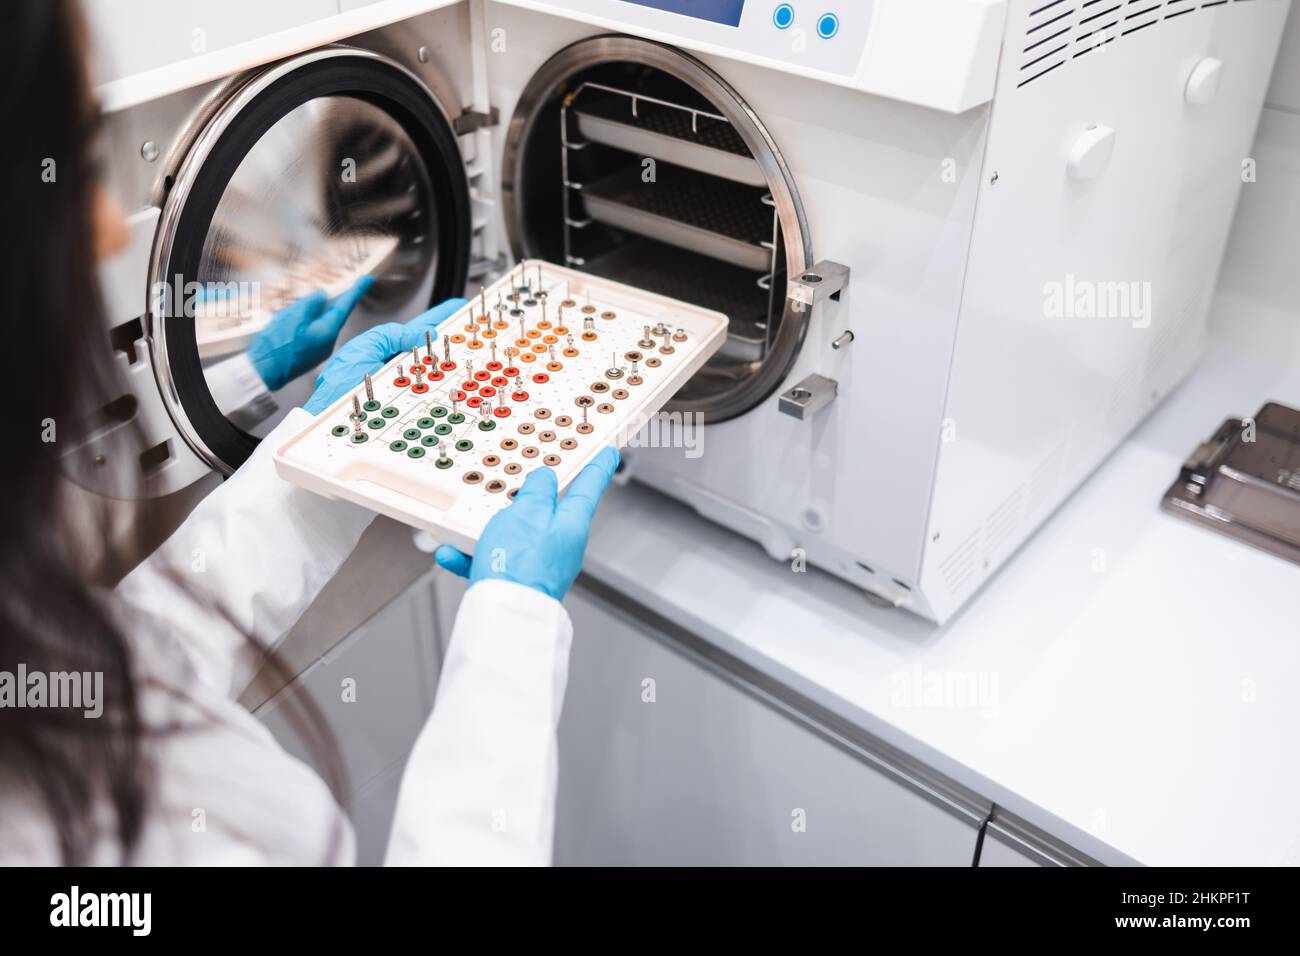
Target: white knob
pixel 1203 83
pixel 1091 152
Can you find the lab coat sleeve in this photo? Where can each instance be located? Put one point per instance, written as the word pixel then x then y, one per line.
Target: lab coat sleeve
pixel 239 391
pixel 479 787
pixel 257 551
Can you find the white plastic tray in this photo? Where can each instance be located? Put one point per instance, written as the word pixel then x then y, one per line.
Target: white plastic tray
pixel 379 471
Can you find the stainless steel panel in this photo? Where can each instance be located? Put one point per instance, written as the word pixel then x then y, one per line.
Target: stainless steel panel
pixel 334 190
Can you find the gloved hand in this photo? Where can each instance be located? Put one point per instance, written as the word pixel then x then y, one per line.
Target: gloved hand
pixel 370 350
pixel 301 335
pixel 535 542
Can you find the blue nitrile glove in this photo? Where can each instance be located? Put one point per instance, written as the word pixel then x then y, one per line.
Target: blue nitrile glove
pixel 534 541
pixel 368 352
pixel 301 335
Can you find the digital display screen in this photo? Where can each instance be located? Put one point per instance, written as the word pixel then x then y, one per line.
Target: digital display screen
pixel 726 12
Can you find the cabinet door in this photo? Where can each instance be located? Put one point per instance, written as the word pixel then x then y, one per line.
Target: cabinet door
pixel 662 761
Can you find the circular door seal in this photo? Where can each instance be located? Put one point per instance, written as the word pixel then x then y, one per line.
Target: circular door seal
pixel 377 98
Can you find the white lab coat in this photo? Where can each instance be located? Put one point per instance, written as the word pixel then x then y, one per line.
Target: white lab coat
pixel 239 391
pixel 479 787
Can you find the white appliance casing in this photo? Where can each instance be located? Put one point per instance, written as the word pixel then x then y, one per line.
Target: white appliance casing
pixel 965 412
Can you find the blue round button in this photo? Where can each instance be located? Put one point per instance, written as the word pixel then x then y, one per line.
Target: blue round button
pixel 783 16
pixel 828 25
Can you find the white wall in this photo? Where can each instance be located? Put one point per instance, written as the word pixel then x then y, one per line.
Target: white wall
pixel 1262 269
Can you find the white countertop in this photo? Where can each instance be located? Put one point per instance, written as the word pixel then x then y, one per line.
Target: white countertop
pixel 1146 712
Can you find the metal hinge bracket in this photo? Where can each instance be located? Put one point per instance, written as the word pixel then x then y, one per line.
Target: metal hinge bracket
pixel 471 121
pixel 825 280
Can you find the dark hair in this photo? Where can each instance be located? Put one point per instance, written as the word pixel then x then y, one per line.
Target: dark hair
pixel 50 620
pixel 57 365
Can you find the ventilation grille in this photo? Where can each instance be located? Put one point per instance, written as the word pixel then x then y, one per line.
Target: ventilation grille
pixel 957 567
pixel 1001 526
pixel 1004 528
pixel 1058 31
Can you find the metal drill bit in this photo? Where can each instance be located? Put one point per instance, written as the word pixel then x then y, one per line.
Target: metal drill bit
pixel 589 324
pixel 442 451
pixel 415 357
pixel 418 372
pixel 370 388
pixel 455 405
pixel 356 408
pixel 584 414
pixel 428 343
pixel 551 351
pixel 543 310
pixel 523 329
pixel 474 335
pixel 469 368
pixel 446 350
pixel 400 373
pixel 510 352
pixel 519 382
pixel 356 426
pixel 493 345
